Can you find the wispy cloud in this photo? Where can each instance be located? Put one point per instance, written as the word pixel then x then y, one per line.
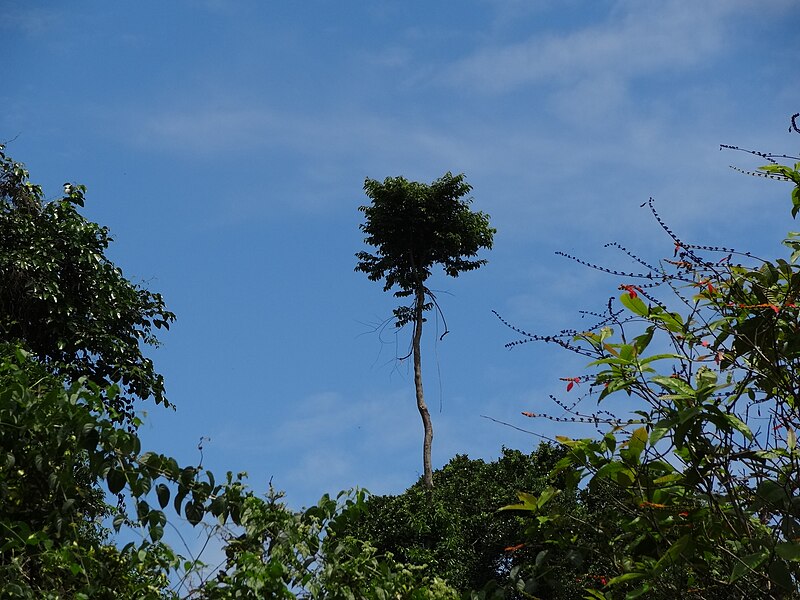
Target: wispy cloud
pixel 638 38
pixel 327 442
pixel 208 130
pixel 32 21
pixel 330 152
pixel 585 113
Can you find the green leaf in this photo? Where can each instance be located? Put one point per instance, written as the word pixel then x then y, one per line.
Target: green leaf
pixel 780 575
pixel 739 425
pixel 635 305
pixel 671 556
pixel 772 492
pixel 638 441
pixel 193 512
pixel 705 378
pixel 667 355
pixel 177 502
pixel 747 564
pixel 642 341
pixel 119 521
pixel 670 478
pixel 688 414
pixel 162 491
pixel 661 429
pixel 788 551
pixel 116 480
pixel 547 494
pixel 529 503
pixel 675 385
pixel 617 472
pixel 156 533
pixel 672 321
pixel 625 577
pixel 142 511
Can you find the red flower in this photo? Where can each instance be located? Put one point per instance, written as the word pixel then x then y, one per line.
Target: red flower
pixel 707 284
pixel 572 381
pixel 631 289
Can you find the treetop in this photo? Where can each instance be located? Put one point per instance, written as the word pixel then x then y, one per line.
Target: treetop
pixel 414 226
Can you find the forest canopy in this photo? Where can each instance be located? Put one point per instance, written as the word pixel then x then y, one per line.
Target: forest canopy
pixel 692 495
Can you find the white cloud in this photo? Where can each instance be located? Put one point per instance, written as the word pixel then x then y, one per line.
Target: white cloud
pixel 206 131
pixel 637 39
pixel 584 124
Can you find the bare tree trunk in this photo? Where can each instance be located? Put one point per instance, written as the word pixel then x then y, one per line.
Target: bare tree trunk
pixel 419 303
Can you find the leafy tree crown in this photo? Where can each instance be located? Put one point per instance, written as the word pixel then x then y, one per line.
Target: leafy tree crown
pixel 65 300
pixel 414 226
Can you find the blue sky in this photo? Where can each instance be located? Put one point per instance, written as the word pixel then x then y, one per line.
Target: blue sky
pixel 225 143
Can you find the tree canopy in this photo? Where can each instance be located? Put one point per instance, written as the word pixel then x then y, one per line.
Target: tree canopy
pixel 73 473
pixel 415 226
pixel 693 494
pixel 458 533
pixel 65 301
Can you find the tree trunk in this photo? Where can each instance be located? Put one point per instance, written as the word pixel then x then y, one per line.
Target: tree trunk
pixel 419 303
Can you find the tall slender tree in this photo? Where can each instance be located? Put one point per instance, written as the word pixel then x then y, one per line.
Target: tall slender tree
pixel 414 226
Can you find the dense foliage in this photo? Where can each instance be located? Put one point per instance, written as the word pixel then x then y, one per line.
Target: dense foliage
pixel 705 473
pixel 457 531
pixel 310 555
pixel 693 495
pixel 53 449
pixel 415 226
pixel 63 299
pixel 70 366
